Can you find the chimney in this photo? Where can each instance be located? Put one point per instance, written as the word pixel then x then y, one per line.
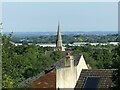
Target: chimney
pixel 69 60
pixel 88 65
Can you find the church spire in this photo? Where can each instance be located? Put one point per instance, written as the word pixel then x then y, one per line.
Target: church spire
pixel 59 33
pixel 59 38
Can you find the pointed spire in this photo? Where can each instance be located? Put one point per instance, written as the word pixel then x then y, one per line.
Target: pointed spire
pixel 59 37
pixel 59 33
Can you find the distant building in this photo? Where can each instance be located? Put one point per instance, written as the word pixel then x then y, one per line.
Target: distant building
pixel 59 38
pixel 93 44
pixel 59 46
pixel 47 45
pixel 114 43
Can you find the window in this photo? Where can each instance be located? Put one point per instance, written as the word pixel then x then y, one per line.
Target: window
pixel 91 82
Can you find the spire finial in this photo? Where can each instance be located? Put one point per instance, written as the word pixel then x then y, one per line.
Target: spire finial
pixel 58 25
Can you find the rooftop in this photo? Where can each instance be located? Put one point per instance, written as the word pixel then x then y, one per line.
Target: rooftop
pixel 61 63
pixel 46 81
pixel 104 76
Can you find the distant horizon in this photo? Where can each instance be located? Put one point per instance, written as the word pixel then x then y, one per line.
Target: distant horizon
pixel 27 34
pixel 55 31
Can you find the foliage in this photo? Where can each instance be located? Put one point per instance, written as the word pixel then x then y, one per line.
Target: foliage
pixel 96 56
pixel 116 65
pixel 67 38
pixel 22 62
pixel 56 55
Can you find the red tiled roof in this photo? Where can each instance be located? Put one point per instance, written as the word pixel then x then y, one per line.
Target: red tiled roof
pixel 46 81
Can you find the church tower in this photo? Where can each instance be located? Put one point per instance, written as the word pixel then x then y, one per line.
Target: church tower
pixel 59 39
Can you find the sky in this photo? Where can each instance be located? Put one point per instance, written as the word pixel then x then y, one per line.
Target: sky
pixel 73 16
pixel 0 12
pixel 60 0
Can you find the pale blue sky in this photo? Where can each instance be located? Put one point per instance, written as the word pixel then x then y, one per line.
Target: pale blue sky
pixel 0 12
pixel 78 16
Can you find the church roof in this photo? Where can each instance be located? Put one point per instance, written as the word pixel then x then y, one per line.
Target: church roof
pixel 102 77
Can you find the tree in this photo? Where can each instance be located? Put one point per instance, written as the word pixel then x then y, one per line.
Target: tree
pixel 21 62
pixel 56 55
pixel 116 65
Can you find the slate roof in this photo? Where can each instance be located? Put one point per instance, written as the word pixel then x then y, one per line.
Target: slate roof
pixel 61 63
pixel 104 74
